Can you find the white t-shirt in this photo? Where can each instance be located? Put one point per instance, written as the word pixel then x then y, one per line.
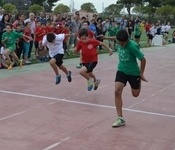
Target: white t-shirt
pixel 56 47
pixel 2 52
pixel 167 28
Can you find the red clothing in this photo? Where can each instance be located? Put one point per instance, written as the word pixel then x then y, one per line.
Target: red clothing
pixel 58 29
pixel 147 28
pixel 65 31
pixel 49 29
pixel 28 32
pixel 89 50
pixel 40 32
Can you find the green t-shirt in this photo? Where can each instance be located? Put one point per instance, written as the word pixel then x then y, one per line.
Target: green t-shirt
pixel 128 58
pixel 113 30
pixel 11 38
pixel 137 30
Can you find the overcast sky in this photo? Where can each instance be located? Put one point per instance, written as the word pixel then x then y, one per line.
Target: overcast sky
pixel 97 3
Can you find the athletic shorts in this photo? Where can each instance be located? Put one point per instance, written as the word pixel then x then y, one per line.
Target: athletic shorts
pixel 90 66
pixel 11 48
pixel 59 59
pixel 134 81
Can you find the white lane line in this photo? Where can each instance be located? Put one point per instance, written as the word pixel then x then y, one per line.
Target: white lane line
pixel 87 104
pixel 56 144
pixel 11 116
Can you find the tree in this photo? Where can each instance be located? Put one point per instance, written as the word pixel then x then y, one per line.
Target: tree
pixel 113 9
pixel 10 8
pixel 36 8
pixel 61 8
pixel 165 12
pixel 89 7
pixel 21 5
pixel 47 4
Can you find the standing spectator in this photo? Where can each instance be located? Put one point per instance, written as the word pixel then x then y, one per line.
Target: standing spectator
pixel 123 22
pixel 5 20
pixel 31 19
pixel 19 20
pixel 19 43
pixel 173 35
pixel 75 26
pixel 2 12
pixel 26 42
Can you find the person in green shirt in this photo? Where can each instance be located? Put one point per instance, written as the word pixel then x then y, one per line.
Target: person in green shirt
pixel 137 32
pixel 9 39
pixel 128 70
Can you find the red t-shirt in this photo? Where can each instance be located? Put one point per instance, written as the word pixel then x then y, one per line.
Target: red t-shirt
pixel 65 31
pixel 40 32
pixel 89 50
pixel 27 32
pixel 49 29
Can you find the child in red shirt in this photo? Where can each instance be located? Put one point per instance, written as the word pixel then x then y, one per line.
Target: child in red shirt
pixel 26 42
pixel 88 48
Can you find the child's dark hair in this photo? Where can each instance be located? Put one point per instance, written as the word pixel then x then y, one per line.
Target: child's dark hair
pixel 50 37
pixel 26 24
pixel 83 32
pixel 122 36
pixel 9 24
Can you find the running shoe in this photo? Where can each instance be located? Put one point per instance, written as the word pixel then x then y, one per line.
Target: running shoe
pixel 96 84
pixel 119 122
pixel 69 78
pixel 90 83
pixel 58 79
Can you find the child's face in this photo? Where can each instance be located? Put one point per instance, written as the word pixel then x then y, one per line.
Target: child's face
pixel 122 44
pixel 84 39
pixel 19 27
pixel 8 28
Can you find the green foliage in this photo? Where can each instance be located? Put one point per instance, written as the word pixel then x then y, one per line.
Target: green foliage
pixel 36 8
pixel 61 8
pixel 10 8
pixel 89 7
pixel 165 12
pixel 48 8
pixel 112 10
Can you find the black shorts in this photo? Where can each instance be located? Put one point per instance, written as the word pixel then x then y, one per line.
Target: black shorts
pixel 134 81
pixel 137 36
pixel 150 36
pixel 90 66
pixel 59 59
pixel 36 44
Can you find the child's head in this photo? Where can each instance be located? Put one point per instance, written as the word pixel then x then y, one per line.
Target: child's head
pixel 122 37
pixel 83 35
pixel 9 27
pixel 18 26
pixel 51 37
pixel 27 24
pixel 43 25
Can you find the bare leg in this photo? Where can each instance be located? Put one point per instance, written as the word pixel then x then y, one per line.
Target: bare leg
pixel 84 73
pixel 54 66
pixel 118 98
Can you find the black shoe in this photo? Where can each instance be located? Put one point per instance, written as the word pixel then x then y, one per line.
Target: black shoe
pixel 69 78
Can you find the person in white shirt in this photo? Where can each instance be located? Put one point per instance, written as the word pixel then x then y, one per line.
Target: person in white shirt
pixel 167 29
pixel 54 43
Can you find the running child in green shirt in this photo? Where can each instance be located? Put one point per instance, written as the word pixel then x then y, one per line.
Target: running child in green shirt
pixel 128 70
pixel 9 39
